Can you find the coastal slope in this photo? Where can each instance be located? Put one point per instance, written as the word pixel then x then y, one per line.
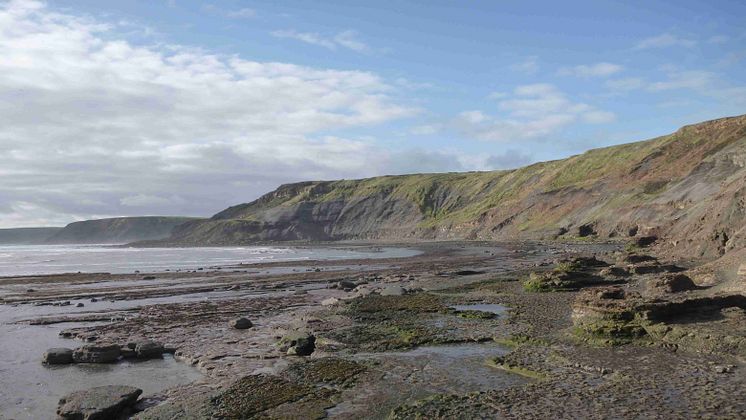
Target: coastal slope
pixel 687 188
pixel 27 236
pixel 117 230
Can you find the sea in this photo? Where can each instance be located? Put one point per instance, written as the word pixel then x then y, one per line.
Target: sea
pixel 21 260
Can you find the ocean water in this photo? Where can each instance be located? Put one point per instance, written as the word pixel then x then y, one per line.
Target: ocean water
pixel 19 260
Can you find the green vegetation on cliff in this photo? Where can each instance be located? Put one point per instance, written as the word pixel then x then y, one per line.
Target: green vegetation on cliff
pixel 684 186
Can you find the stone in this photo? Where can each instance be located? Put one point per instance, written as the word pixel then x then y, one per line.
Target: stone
pixel 674 283
pixel 149 278
pixel 99 403
pixel 638 258
pixel 298 343
pixel 128 353
pixel 330 301
pixel 346 285
pixel 645 241
pixel 363 291
pixel 614 271
pixel 241 324
pixel 79 305
pixel 586 230
pixel 58 356
pixel 97 353
pixel 148 349
pixel 392 291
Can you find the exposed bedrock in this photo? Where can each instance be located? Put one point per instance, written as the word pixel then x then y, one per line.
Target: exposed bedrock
pixel 684 193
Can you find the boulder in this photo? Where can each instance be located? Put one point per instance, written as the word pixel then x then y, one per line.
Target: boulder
pixel 346 285
pixel 363 291
pixel 645 241
pixel 330 301
pixel 638 258
pixel 614 271
pixel 99 403
pixel 58 356
pixel 298 343
pixel 97 353
pixel 393 291
pixel 674 283
pixel 241 324
pixel 148 350
pixel 586 230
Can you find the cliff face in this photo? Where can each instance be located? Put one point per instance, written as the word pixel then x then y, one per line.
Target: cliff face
pixel 117 230
pixel 27 236
pixel 687 187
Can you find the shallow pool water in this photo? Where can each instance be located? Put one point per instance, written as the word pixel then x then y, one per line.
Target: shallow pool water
pixel 408 376
pixel 30 390
pixel 484 307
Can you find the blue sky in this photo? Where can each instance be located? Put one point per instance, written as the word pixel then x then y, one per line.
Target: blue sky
pixel 351 89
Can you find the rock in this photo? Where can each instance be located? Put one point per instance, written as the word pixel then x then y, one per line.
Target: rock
pixel 392 291
pixel 79 305
pixel 346 285
pixel 637 258
pixel 330 301
pixel 241 324
pixel 645 241
pixel 149 350
pixel 723 369
pixel 93 300
pixel 674 283
pixel 586 230
pixel 99 403
pixel 363 291
pixel 97 353
pixel 611 293
pixel 298 343
pixel 128 353
pixel 58 356
pixel 614 271
pixel 149 278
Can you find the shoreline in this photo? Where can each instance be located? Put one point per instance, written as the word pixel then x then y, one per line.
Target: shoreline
pixel 385 306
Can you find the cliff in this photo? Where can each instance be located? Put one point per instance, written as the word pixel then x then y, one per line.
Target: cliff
pixel 27 236
pixel 117 230
pixel 687 188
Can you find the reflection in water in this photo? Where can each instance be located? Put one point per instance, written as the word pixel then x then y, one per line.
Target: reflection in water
pixel 32 390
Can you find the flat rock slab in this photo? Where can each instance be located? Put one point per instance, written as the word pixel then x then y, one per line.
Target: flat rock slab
pixel 58 356
pixel 99 403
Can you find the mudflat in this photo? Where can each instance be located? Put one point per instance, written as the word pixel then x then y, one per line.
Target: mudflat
pixel 462 330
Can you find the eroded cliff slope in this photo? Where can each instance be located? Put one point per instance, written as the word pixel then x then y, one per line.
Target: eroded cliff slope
pixel 117 230
pixel 687 188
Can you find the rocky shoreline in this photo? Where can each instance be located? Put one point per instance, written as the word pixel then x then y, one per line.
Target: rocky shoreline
pixel 590 330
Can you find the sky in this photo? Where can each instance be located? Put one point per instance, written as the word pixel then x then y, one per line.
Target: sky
pixel 186 107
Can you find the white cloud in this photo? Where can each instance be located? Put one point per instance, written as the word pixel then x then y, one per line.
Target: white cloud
pixel 244 13
pixel 665 40
pixel 92 125
pixel 529 66
pixel 532 112
pixel 424 130
pixel 695 79
pixel 345 39
pixel 630 83
pixel 594 70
